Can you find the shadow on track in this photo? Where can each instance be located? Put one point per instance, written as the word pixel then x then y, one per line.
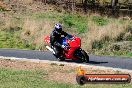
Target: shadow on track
pixel 90 62
pixel 95 62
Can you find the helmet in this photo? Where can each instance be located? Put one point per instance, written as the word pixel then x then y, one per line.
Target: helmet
pixel 58 28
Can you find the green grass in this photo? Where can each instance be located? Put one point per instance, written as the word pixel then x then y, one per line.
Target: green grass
pixel 100 21
pixel 71 21
pixel 129 54
pixel 76 21
pixel 11 39
pixel 114 53
pixel 46 16
pixel 2 9
pixel 11 78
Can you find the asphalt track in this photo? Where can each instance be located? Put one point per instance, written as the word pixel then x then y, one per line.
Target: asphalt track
pixel 115 62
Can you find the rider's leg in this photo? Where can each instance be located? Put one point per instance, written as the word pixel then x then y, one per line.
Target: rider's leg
pixel 58 51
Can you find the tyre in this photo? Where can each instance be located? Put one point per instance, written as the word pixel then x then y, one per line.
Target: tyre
pixel 83 56
pixel 81 80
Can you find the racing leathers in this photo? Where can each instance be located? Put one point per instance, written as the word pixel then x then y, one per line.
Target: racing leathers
pixel 55 39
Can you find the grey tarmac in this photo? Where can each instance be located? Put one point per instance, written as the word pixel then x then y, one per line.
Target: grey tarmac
pixel 106 61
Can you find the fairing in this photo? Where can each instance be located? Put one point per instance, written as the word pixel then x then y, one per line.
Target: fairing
pixel 73 42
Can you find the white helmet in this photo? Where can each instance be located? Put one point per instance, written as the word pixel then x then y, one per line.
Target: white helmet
pixel 58 28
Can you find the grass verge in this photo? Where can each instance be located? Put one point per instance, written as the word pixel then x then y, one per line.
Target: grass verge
pixel 14 74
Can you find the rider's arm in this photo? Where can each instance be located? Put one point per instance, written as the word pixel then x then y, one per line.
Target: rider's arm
pixel 52 39
pixel 64 33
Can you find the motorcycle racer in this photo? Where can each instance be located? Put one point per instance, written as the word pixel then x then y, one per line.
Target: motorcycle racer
pixel 65 46
pixel 55 39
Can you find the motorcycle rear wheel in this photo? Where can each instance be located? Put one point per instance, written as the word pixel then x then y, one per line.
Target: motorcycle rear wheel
pixel 85 57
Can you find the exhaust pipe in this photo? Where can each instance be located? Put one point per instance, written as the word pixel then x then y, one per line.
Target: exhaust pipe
pixel 50 49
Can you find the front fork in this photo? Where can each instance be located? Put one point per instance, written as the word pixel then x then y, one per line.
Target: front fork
pixel 77 53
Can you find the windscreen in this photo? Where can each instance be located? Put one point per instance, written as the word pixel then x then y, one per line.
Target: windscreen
pixel 69 37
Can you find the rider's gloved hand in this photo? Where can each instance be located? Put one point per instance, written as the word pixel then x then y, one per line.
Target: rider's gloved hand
pixel 63 46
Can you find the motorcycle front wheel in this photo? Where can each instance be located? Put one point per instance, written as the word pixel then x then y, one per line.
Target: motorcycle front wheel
pixel 82 55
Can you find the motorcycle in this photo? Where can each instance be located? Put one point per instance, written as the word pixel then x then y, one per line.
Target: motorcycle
pixel 72 48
